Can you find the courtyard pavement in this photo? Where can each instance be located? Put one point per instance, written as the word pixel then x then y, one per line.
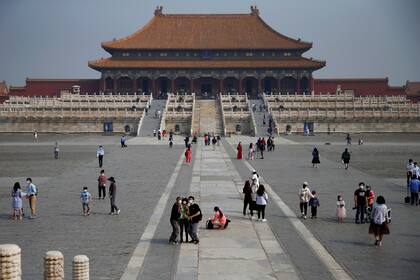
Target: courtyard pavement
pixel 150 175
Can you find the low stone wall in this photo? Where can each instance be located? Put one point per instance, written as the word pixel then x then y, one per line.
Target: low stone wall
pixel 183 123
pixel 244 121
pixel 67 126
pixel 362 126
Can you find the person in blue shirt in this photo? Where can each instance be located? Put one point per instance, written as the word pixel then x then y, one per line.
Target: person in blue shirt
pixel 314 203
pixel 414 189
pixel 86 199
pixel 31 194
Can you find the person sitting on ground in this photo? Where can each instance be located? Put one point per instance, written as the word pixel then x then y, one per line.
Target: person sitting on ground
pixel 219 221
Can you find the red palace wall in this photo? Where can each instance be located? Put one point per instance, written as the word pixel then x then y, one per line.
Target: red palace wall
pixel 359 86
pixel 52 87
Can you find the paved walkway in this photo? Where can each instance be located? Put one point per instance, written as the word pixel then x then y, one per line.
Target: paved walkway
pixel 246 249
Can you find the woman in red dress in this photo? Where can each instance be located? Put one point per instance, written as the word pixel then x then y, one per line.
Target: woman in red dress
pixel 239 148
pixel 188 155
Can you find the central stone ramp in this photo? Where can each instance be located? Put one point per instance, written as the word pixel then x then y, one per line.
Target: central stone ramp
pixel 209 116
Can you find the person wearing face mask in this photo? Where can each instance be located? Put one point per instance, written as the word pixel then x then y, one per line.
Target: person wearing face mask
pixel 195 217
pixel 184 221
pixel 175 216
pixel 360 203
pixel 31 194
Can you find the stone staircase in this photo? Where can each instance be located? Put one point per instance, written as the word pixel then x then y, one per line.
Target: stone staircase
pixel 262 130
pixel 150 122
pixel 207 118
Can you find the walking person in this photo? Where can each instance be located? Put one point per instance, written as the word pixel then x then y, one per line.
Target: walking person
pixel 315 158
pixel 247 191
pixel 379 225
pixel 261 202
pixel 112 195
pixel 188 155
pixel 239 151
pixel 122 141
pixel 56 150
pixel 17 206
pixel 360 203
pixel 341 208
pixel 214 142
pixel 154 132
pixel 348 139
pixel 183 220
pixel 174 219
pixel 102 180
pixel 414 190
pixel 251 151
pixel 345 158
pixel 195 218
pixel 304 197
pixel 35 135
pixel 408 170
pixel 31 194
pixel 314 204
pixel 86 199
pixel 100 155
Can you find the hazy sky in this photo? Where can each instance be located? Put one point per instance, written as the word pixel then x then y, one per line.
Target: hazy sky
pixel 357 38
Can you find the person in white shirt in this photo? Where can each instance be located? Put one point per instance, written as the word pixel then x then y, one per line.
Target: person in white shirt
pixel 408 169
pixel 380 219
pixel 100 155
pixel 415 170
pixel 261 201
pixel 304 197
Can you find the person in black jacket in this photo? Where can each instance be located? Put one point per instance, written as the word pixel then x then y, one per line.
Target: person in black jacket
pixel 195 217
pixel 175 216
pixel 112 195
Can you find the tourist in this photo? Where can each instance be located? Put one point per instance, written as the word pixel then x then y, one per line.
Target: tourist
pixel 195 218
pixel 251 152
pixel 219 220
pixel 247 191
pixel 273 145
pixel 205 139
pixel 360 141
pixel 314 204
pixel 254 187
pixel 345 158
pixel 214 142
pixel 360 203
pixel 112 194
pixel 408 170
pixel 86 199
pixel 159 134
pixel 171 143
pixel 17 202
pixel 348 139
pixel 188 155
pixel 414 190
pixel 175 216
pixel 239 151
pixel 35 135
pixel 100 155
pixel 154 132
pixel 255 176
pixel 379 225
pixel 56 150
pixel 102 179
pixel 31 194
pixel 183 220
pixel 122 140
pixel 341 208
pixel 304 197
pixel 315 158
pixel 264 120
pixel 257 145
pixel 187 141
pixel 262 147
pixel 416 170
pixel 194 140
pixel 261 202
pixel 370 196
pixel 218 140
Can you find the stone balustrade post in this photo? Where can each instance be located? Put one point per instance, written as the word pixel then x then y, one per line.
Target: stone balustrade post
pixel 10 262
pixel 80 267
pixel 53 265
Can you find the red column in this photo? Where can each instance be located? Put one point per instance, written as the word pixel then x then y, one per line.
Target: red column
pixel 279 85
pixel 240 86
pixel 173 85
pixel 115 82
pixel 221 89
pixel 260 86
pixel 153 87
pixel 298 86
pixel 192 85
pixel 134 86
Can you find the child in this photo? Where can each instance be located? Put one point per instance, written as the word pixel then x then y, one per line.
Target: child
pixel 86 198
pixel 314 203
pixel 341 208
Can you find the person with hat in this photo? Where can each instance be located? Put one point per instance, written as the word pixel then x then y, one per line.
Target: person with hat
pixel 112 193
pixel 304 197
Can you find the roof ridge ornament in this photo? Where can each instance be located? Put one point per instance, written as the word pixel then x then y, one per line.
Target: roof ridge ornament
pixel 158 11
pixel 254 10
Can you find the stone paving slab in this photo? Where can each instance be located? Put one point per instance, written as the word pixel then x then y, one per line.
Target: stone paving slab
pixel 178 140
